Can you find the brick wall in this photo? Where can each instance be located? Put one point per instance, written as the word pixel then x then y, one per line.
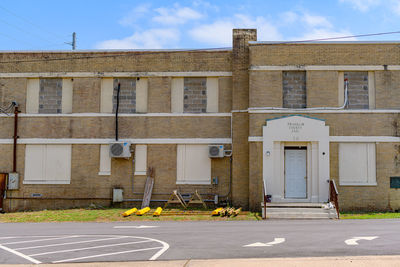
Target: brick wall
pixel 387 89
pixel 357 89
pixel 50 96
pixel 127 95
pixel 86 95
pixel 195 95
pixel 294 89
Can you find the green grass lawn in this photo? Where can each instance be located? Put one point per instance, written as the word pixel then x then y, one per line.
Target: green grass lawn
pixel 114 215
pixel 370 215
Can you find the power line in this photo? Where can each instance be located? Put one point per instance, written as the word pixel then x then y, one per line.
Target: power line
pixel 25 31
pixel 31 23
pixel 17 40
pixel 341 37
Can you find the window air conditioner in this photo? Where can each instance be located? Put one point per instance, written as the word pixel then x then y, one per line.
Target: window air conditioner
pixel 216 151
pixel 120 150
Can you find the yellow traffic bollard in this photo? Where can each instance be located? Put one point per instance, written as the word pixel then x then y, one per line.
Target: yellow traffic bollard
pixel 216 212
pixel 142 211
pixel 129 212
pixel 157 212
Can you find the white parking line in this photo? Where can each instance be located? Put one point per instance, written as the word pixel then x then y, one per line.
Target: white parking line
pixel 78 249
pixel 71 243
pixel 20 254
pixel 107 254
pixel 39 240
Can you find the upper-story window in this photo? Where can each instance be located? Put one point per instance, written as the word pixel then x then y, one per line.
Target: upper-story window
pixel 127 95
pixel 294 89
pixel 49 96
pixel 358 89
pixel 194 95
pixel 132 96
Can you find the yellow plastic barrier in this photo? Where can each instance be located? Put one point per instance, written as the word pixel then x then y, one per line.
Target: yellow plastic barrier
pixel 216 212
pixel 142 211
pixel 157 212
pixel 129 212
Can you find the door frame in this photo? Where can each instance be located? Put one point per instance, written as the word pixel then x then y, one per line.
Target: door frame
pixel 291 147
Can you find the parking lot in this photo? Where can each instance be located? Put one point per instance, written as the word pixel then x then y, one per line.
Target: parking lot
pixel 35 243
pixel 82 248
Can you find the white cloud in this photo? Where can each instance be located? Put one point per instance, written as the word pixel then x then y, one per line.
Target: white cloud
pixel 316 21
pixel 176 15
pixel 220 31
pixel 135 14
pixel 362 5
pixel 288 17
pixel 149 39
pixel 316 34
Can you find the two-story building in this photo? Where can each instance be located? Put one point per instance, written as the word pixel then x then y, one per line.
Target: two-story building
pixel 287 115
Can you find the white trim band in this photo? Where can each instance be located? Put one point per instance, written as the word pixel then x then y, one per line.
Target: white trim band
pixel 32 115
pixel 326 67
pixel 103 141
pixel 322 111
pixel 116 74
pixel 348 139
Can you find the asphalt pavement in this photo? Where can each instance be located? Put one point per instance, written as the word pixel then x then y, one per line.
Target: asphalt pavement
pixel 33 243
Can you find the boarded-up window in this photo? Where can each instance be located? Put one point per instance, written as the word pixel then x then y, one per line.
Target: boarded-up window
pixel 127 95
pixel 357 89
pixel 357 164
pixel 195 95
pixel 140 159
pixel 193 164
pixel 47 164
pixel 50 96
pixel 294 89
pixel 105 160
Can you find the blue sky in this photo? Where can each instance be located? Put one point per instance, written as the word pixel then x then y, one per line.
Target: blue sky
pixel 123 24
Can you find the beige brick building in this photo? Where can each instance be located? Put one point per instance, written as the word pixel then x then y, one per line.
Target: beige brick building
pixel 291 116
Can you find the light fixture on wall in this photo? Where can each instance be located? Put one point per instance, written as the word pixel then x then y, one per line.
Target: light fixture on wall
pixel 268 153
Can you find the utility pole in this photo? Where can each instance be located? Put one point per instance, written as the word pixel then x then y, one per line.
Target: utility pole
pixel 73 40
pixel 73 43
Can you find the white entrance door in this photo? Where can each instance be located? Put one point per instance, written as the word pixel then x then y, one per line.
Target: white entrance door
pixel 295 173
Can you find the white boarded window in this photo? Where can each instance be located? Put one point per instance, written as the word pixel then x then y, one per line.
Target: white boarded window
pixel 105 160
pixel 357 164
pixel 193 164
pixel 140 159
pixel 47 164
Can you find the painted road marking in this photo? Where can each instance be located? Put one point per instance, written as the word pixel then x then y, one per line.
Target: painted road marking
pixel 78 249
pixel 161 249
pixel 107 254
pixel 353 241
pixel 20 254
pixel 137 227
pixel 39 240
pixel 71 243
pixel 269 244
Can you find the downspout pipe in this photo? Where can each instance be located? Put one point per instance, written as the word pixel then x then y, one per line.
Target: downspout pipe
pixel 116 112
pixel 15 137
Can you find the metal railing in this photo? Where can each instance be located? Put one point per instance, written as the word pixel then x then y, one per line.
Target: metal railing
pixel 333 195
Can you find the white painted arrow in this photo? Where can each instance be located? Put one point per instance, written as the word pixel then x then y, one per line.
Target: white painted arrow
pixel 269 244
pixel 137 227
pixel 353 241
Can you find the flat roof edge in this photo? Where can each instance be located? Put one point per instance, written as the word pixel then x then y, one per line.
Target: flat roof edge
pixel 116 50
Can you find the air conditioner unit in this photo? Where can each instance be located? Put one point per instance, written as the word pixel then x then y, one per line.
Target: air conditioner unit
pixel 216 151
pixel 120 149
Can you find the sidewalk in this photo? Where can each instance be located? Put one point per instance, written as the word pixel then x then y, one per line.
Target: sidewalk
pixel 264 262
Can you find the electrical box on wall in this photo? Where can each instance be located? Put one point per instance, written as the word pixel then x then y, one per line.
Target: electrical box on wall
pixel 13 181
pixel 118 195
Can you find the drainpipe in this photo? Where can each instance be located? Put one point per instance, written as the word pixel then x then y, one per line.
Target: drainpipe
pixel 16 111
pixel 116 113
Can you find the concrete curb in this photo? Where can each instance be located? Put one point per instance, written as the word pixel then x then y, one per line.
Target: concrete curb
pixel 286 262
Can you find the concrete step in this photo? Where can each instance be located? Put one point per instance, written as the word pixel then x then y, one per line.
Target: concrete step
pixel 299 211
